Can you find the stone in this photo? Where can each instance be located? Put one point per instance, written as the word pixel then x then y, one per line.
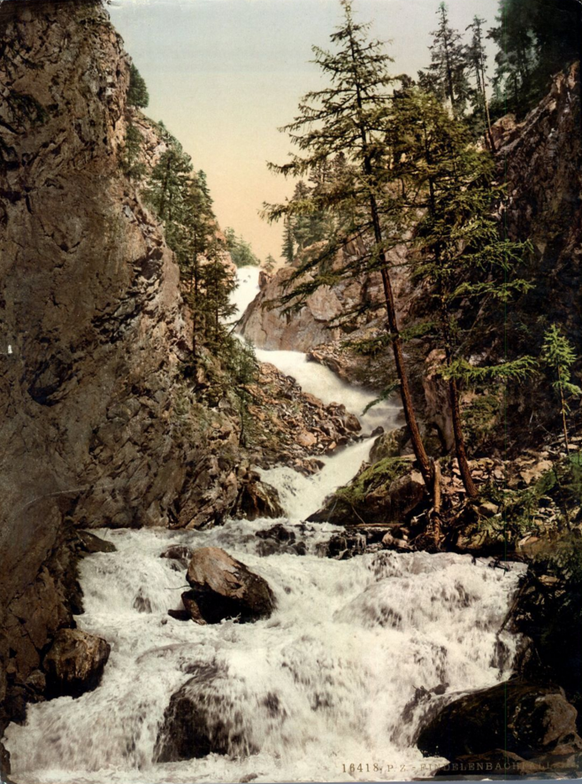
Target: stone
pixel 389 444
pixel 258 499
pixel 75 662
pixel 524 718
pixel 203 718
pixel 225 588
pixel 386 493
pixel 192 609
pixel 344 546
pixel 180 553
pixel 488 509
pixel 90 543
pixel 532 474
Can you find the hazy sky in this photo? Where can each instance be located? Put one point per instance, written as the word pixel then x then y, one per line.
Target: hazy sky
pixel 223 75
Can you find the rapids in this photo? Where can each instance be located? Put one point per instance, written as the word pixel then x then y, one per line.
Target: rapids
pixel 331 688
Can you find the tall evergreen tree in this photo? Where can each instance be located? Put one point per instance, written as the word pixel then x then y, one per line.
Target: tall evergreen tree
pixel 447 73
pixel 477 58
pixel 137 94
pixel 343 119
pixel 461 254
pixel 535 40
pixel 288 250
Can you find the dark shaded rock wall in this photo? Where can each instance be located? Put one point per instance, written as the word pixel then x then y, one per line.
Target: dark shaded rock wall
pixel 94 430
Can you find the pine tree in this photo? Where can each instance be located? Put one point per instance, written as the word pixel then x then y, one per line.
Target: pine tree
pixel 241 253
pixel 343 119
pixel 558 356
pixel 477 59
pixel 269 264
pixel 535 40
pixel 460 255
pixel 288 250
pixel 447 73
pixel 137 94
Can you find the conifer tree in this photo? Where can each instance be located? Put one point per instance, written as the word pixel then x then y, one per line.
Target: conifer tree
pixel 535 39
pixel 288 250
pixel 343 119
pixel 460 253
pixel 137 94
pixel 447 73
pixel 269 264
pixel 477 59
pixel 558 356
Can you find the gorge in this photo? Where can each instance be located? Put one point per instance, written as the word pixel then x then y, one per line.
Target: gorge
pixel 121 457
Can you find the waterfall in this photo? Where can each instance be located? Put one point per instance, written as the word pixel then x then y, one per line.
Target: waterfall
pixel 330 688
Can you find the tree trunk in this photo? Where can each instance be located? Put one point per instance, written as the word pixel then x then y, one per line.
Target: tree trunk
pixel 564 421
pixel 417 445
pixel 415 437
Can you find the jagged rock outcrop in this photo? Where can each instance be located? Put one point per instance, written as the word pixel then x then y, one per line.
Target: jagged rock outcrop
pixel 271 328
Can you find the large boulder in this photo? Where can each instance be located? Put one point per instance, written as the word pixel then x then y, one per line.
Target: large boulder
pixel 223 587
pixel 74 663
pixel 386 493
pixel 257 500
pixel 204 717
pixel 520 717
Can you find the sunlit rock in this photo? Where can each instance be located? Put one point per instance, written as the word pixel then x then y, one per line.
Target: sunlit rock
pixel 75 662
pixel 223 587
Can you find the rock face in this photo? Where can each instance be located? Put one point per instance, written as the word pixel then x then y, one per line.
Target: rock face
pixel 223 587
pixel 269 327
pixel 75 662
pixel 92 330
pixel 525 719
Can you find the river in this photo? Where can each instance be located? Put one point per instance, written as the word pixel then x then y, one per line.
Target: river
pixel 331 688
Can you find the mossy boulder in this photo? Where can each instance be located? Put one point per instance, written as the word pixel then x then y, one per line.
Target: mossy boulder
pixel 386 493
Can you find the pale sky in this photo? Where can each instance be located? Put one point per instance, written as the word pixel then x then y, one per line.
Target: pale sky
pixel 223 75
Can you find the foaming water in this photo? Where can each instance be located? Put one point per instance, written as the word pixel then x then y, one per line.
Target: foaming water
pixel 302 495
pixel 246 291
pixel 329 388
pixel 332 687
pixel 354 655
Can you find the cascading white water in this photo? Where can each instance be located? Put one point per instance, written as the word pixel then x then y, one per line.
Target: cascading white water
pixel 331 688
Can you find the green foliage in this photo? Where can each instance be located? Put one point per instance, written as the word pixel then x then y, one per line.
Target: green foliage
pixel 269 264
pixel 536 39
pixel 241 364
pixel 446 76
pixel 558 356
pixel 137 93
pixel 481 419
pixel 384 395
pixel 461 254
pixel 130 153
pixel 381 474
pixel 240 251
